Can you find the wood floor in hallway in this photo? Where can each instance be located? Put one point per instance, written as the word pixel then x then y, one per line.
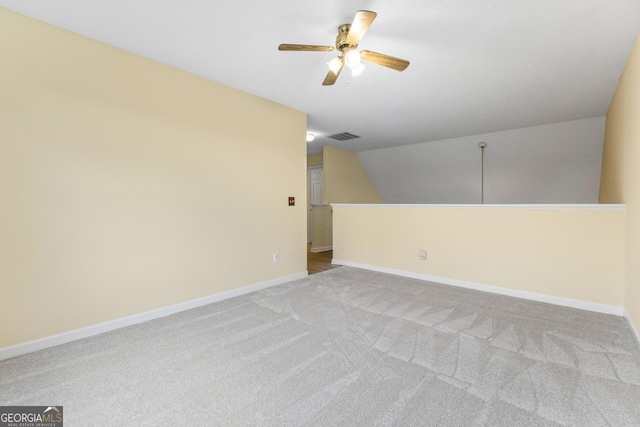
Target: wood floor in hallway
pixel 320 261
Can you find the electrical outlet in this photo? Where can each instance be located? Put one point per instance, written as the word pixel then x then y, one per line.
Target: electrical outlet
pixel 276 257
pixel 422 254
pixel 292 201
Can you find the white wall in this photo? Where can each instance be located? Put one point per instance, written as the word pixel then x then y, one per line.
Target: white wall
pixel 557 163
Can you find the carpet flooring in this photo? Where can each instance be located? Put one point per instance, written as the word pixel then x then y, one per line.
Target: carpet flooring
pixel 345 347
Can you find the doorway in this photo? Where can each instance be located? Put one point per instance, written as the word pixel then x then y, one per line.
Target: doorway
pixel 315 197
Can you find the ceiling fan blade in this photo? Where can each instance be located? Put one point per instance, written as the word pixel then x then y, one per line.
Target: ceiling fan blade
pixel 385 60
pixel 332 77
pixel 361 24
pixel 305 47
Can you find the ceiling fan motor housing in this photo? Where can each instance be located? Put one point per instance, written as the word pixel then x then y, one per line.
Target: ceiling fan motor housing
pixel 341 40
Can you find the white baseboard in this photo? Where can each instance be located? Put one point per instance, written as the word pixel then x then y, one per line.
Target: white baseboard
pixel 567 302
pixel 100 328
pixel 322 249
pixel 633 327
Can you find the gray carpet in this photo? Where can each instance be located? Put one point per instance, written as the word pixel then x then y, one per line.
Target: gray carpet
pixel 346 347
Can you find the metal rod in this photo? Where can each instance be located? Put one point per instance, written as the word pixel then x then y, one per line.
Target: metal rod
pixel 482 146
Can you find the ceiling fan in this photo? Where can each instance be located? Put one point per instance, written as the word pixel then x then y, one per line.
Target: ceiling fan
pixel 349 36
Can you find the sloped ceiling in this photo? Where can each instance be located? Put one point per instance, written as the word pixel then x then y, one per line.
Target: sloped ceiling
pixel 476 66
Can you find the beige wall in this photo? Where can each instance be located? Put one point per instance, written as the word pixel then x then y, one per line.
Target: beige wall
pixel 128 186
pixel 576 254
pixel 612 176
pixel 314 160
pixel 345 180
pixel 621 172
pixel 322 238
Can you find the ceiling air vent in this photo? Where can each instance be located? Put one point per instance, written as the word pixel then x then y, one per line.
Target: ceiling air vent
pixel 344 136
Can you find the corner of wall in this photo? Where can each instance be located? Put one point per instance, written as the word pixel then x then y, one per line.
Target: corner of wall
pixel 621 173
pixel 345 179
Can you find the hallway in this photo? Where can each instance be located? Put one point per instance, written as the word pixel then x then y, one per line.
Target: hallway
pixel 320 261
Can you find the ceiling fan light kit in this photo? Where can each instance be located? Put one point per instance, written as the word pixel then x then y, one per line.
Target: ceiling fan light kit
pixel 335 64
pixel 357 70
pixel 349 36
pixel 352 58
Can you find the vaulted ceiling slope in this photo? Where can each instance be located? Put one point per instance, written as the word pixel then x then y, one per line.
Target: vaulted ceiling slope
pixel 476 67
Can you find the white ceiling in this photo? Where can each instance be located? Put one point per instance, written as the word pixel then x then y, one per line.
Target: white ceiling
pixel 476 66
